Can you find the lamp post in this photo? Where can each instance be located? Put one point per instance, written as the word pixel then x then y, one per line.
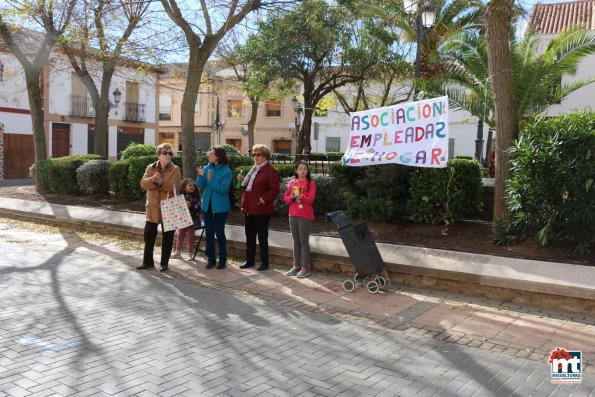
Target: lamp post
pixel 425 16
pixel 117 96
pixel 218 124
pixel 297 107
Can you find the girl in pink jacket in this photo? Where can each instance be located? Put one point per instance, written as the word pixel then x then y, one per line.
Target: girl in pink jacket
pixel 300 195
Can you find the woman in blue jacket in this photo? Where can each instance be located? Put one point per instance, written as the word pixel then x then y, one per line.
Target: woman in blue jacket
pixel 215 180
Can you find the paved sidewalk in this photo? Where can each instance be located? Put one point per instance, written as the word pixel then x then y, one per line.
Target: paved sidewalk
pixel 77 319
pixel 490 325
pixel 495 326
pixel 480 271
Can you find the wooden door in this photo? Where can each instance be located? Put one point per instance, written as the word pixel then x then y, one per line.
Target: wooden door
pixel 60 140
pixel 19 155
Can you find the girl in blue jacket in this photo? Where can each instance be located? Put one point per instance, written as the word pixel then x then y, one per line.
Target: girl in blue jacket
pixel 214 179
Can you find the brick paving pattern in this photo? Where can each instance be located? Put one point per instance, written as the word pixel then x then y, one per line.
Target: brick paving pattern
pixel 77 319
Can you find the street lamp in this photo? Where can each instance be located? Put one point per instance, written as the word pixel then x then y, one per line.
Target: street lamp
pixel 425 16
pixel 218 124
pixel 117 95
pixel 297 108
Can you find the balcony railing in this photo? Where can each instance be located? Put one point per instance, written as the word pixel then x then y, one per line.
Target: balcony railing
pixel 81 106
pixel 164 112
pixel 135 112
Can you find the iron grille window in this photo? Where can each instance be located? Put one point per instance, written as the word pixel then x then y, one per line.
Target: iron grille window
pixel 333 144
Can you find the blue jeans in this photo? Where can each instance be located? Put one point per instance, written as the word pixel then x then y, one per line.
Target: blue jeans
pixel 215 226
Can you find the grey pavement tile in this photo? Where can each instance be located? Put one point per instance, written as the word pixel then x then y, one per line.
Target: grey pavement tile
pixel 17 391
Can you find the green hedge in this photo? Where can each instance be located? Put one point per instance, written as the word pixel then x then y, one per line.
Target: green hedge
pixel 118 178
pixel 136 170
pixel 552 187
pixel 446 194
pixel 138 150
pixel 328 198
pixel 377 193
pixel 330 156
pixel 92 177
pixel 58 175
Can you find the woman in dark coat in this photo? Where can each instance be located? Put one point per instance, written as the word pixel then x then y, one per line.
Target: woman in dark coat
pixel 261 188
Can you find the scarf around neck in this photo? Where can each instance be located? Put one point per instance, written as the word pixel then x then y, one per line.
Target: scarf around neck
pixel 249 179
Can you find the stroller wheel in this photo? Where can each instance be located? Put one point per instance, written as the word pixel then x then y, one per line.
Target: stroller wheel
pixel 348 285
pixel 359 279
pixel 372 287
pixel 380 281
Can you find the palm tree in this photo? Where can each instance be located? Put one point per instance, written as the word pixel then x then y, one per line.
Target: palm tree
pixel 452 18
pixel 536 75
pixel 536 85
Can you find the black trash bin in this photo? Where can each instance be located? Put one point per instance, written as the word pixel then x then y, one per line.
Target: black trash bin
pixel 363 253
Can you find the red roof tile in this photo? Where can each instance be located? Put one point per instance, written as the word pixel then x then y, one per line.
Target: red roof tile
pixel 553 18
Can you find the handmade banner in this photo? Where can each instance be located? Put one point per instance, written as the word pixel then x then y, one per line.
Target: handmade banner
pixel 414 134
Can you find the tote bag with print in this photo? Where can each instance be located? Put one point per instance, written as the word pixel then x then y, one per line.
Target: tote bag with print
pixel 175 213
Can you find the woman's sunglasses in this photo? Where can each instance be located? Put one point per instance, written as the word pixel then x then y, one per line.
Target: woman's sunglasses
pixel 256 154
pixel 170 154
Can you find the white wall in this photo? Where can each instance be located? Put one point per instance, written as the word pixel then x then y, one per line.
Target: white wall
pixel 150 136
pixel 61 88
pixel 578 100
pixel 112 133
pixel 16 123
pixel 463 128
pixel 13 94
pixel 79 137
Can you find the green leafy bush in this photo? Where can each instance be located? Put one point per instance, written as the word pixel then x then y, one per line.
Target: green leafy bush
pixel 236 160
pixel 136 170
pixel 118 178
pixel 58 175
pixel 377 193
pixel 552 187
pixel 330 156
pixel 92 177
pixel 230 149
pixel 446 194
pixel 138 150
pixel 327 199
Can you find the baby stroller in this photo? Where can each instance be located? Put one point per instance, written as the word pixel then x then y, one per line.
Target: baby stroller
pixel 363 253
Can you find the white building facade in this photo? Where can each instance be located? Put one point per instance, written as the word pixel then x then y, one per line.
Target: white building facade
pixel 69 113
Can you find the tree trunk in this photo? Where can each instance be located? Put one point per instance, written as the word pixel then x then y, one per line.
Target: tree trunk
pixel 252 122
pixel 498 17
pixel 36 106
pixel 195 67
pixel 304 143
pixel 102 110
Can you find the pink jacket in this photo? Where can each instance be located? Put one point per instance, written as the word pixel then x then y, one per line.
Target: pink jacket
pixel 308 191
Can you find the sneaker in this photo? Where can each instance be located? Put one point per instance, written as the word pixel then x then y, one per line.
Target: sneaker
pixel 189 256
pixel 293 271
pixel 176 255
pixel 305 272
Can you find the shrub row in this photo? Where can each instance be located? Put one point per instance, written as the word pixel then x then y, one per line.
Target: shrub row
pixel 59 175
pixel 446 194
pixel 377 193
pixel 552 188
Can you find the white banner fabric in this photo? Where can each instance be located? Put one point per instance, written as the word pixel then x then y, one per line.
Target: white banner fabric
pixel 413 134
